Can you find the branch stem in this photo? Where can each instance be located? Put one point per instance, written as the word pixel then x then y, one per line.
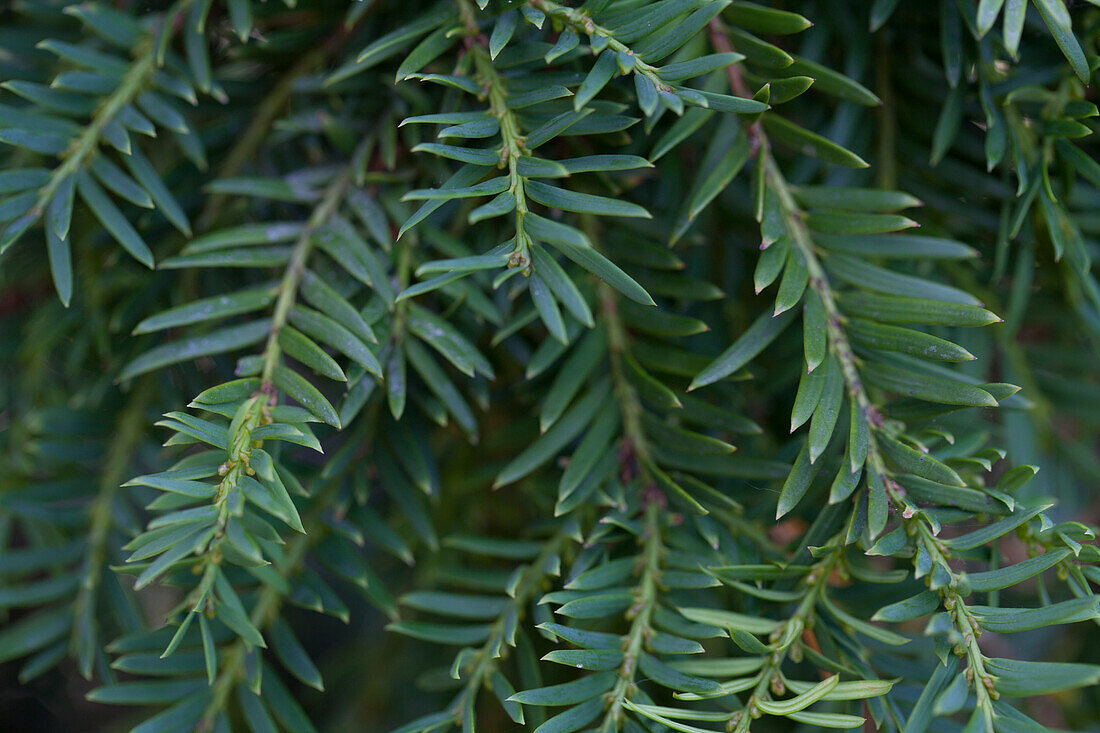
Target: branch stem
pixel 253 412
pixel 800 620
pixel 653 502
pixel 834 319
pixel 128 432
pixel 494 650
pixel 641 623
pixel 964 621
pixel 267 607
pixel 618 346
pixel 512 148
pixel 270 600
pixel 578 20
pixel 85 146
pixel 296 267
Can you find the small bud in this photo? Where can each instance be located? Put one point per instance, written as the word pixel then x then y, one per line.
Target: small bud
pixel 777 686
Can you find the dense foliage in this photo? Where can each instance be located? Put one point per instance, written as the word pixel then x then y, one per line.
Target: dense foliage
pixel 638 365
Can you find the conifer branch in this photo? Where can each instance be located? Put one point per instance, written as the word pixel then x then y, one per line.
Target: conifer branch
pixel 513 129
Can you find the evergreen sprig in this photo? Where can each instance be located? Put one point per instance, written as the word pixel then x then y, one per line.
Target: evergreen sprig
pixel 457 310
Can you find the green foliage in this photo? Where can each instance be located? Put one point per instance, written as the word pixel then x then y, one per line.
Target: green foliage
pixel 326 317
